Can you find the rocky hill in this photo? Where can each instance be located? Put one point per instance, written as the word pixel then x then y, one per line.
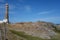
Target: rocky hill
pixel 34 31
pixel 43 30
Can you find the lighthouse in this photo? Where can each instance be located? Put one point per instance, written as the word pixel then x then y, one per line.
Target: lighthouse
pixel 6 13
pixel 3 26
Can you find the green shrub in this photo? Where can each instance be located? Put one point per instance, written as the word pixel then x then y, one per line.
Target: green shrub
pixel 28 37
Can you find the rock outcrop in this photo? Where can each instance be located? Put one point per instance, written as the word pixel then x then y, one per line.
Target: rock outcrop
pixel 43 30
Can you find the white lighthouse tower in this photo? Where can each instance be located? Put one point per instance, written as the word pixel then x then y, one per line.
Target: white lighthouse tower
pixel 4 23
pixel 7 15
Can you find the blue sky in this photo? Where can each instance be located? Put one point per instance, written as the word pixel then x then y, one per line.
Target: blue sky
pixel 31 10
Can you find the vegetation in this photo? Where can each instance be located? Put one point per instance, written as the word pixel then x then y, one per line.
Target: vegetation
pixel 28 37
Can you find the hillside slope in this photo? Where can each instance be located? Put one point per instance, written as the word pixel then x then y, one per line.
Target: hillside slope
pixel 33 31
pixel 43 30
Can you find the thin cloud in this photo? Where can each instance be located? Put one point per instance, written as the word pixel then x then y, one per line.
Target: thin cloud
pixel 2 1
pixel 50 19
pixel 44 12
pixel 28 8
pixel 25 8
pixel 11 6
